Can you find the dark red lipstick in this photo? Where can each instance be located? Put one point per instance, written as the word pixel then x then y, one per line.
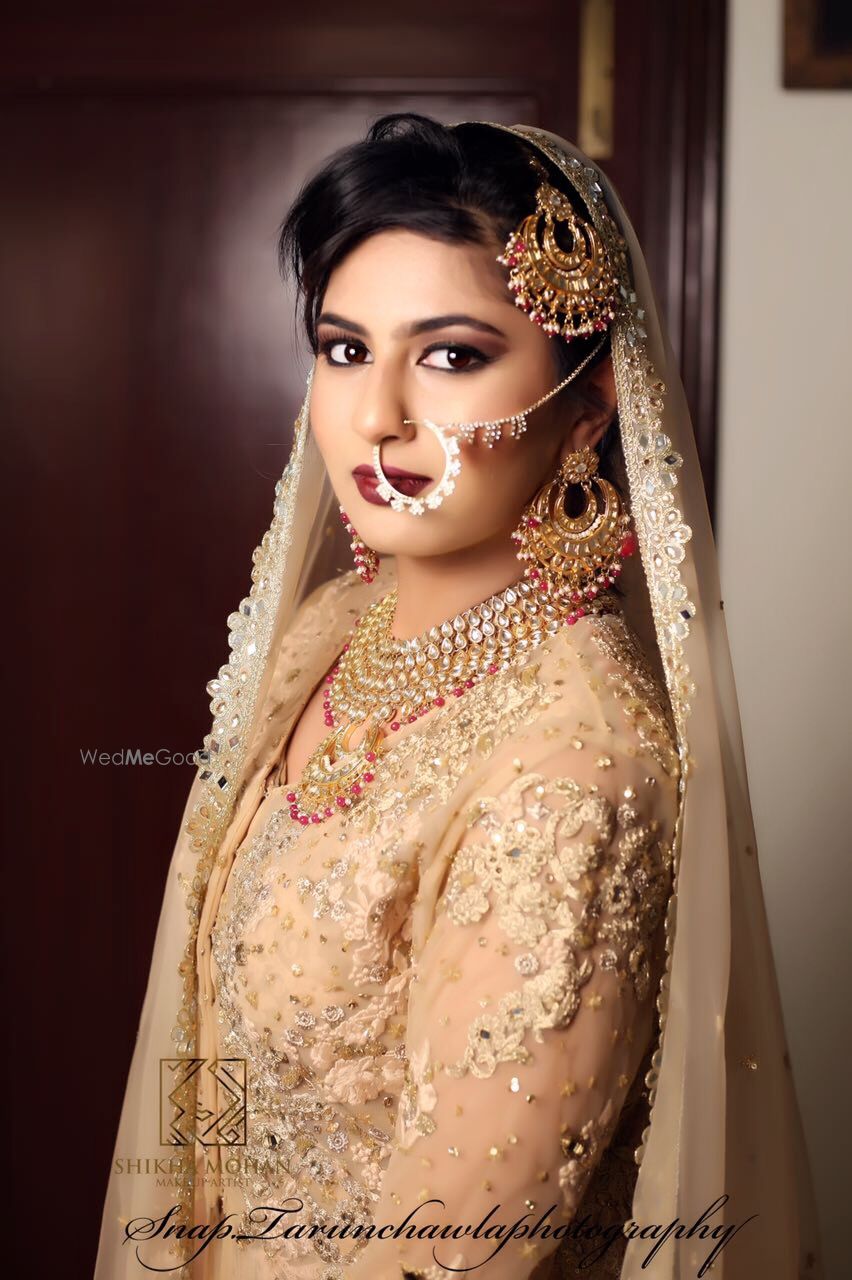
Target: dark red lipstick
pixel 406 482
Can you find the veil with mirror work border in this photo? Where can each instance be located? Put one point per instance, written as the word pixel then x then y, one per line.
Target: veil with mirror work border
pixel 724 1118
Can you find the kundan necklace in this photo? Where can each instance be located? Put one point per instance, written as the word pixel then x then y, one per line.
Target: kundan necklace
pixel 387 682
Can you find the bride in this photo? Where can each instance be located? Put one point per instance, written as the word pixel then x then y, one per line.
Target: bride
pixel 463 962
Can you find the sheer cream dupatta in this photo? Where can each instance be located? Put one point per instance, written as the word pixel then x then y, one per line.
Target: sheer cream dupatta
pixel 154 1168
pixel 724 1116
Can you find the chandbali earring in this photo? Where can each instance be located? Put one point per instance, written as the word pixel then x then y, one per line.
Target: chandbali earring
pixel 366 559
pixel 567 291
pixel 575 558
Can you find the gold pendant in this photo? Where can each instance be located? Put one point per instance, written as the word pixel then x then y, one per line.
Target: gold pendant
pixel 336 774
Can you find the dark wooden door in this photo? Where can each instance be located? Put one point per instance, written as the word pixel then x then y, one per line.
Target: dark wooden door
pixel 149 380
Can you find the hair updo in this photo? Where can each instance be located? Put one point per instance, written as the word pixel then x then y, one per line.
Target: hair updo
pixel 469 184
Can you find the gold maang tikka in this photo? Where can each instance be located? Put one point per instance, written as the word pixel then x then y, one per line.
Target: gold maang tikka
pixel 575 558
pixel 568 291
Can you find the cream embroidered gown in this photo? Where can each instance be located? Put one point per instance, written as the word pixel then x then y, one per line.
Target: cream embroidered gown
pixel 447 993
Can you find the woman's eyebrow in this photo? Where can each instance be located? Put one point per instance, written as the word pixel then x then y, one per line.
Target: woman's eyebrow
pixel 417 327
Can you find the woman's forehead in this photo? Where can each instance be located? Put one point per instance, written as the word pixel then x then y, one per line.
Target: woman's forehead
pixel 398 273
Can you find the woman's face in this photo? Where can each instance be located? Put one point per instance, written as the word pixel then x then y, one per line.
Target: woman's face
pixel 412 327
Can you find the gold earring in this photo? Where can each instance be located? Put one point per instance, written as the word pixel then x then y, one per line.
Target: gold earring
pixel 575 558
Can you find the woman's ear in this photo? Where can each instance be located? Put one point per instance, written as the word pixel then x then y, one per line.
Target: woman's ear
pixel 596 415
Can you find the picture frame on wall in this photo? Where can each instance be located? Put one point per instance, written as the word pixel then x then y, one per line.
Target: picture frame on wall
pixel 817 44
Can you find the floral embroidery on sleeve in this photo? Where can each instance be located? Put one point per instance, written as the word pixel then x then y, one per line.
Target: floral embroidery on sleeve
pixel 556 898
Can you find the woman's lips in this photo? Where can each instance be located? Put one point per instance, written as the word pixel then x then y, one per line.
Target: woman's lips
pixel 403 481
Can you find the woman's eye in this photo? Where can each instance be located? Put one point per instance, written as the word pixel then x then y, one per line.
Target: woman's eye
pixel 450 358
pixel 343 352
pixel 460 359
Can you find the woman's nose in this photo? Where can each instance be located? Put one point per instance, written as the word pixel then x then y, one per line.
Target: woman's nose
pixel 380 411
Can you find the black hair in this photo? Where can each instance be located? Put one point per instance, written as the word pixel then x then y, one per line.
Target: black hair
pixel 467 184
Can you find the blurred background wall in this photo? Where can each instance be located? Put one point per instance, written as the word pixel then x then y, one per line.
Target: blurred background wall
pixel 784 529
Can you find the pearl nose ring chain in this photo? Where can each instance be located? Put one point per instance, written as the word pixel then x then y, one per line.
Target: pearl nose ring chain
pixel 451 434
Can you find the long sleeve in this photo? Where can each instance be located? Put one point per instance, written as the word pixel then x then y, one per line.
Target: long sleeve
pixel 530 1012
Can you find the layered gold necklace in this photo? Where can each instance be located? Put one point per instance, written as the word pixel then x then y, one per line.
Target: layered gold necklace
pixel 383 682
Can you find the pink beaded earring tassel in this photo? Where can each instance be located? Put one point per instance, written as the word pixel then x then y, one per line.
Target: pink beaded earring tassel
pixel 366 559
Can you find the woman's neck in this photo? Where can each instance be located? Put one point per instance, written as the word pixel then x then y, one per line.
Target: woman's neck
pixel 431 590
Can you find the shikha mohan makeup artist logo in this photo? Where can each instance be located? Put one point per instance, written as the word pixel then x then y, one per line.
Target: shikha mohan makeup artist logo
pixel 185 1119
pixel 188 1119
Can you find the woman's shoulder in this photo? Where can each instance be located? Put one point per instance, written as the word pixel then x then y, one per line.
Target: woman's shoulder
pixel 601 682
pixel 340 599
pixel 345 589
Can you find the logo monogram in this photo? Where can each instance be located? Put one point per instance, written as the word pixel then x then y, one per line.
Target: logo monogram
pixel 184 1119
